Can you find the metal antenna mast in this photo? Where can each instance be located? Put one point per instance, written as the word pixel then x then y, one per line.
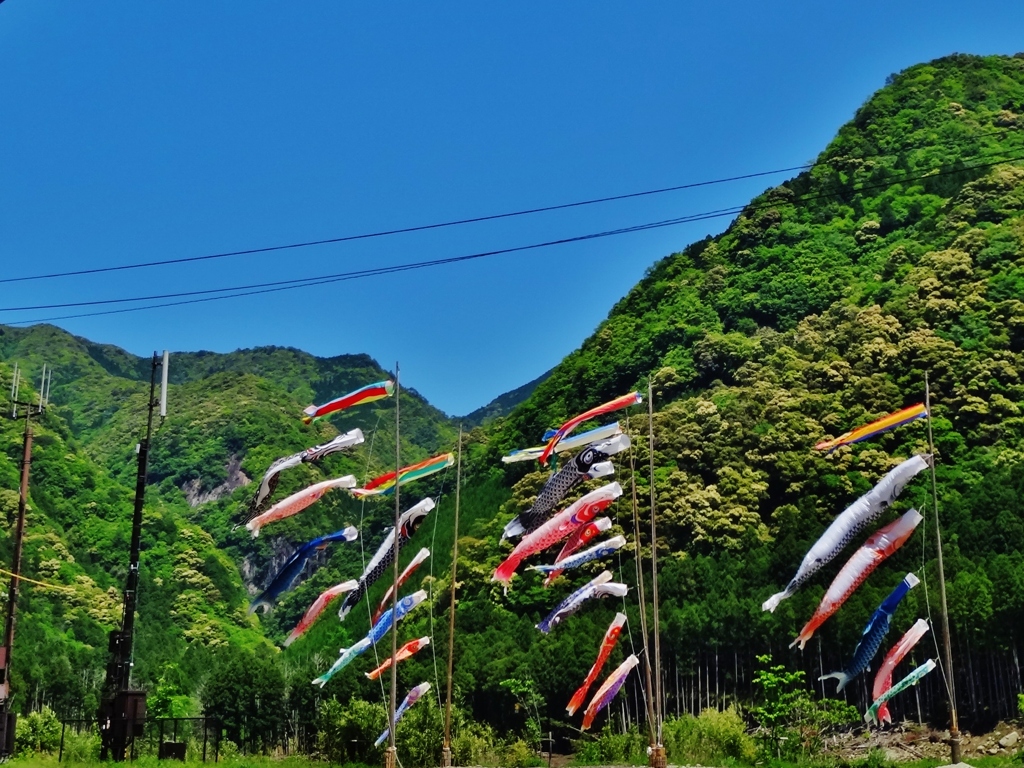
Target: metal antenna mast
pixel 32 410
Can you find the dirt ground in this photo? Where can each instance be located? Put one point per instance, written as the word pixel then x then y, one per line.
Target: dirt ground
pixel 910 741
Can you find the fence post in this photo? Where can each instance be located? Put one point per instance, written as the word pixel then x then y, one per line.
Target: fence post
pixel 63 727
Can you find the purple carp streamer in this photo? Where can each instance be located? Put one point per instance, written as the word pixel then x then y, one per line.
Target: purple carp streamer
pixel 411 698
pixel 607 691
pixel 852 521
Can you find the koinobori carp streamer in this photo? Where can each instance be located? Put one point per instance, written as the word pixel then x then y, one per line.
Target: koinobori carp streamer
pixel 879 546
pixel 852 521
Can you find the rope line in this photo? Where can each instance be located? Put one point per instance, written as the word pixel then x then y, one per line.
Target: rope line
pixel 60 587
pixel 430 585
pixel 362 550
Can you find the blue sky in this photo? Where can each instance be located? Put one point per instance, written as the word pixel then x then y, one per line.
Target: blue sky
pixel 143 131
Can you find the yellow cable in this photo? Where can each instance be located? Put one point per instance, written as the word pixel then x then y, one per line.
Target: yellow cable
pixel 61 587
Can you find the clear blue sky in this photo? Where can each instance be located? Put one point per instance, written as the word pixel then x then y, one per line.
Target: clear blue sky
pixel 137 131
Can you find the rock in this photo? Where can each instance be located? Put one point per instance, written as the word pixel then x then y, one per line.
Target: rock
pixel 1009 740
pixel 994 751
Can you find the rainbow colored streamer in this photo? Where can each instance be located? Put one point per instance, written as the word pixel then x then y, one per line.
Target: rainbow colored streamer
pixel 877 427
pixel 385 484
pixel 612 405
pixel 366 394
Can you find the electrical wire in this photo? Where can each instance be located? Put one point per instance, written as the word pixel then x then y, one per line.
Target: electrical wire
pixel 479 219
pixel 281 285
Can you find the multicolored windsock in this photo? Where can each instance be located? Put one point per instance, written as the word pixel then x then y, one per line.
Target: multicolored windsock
pixel 877 427
pixel 366 394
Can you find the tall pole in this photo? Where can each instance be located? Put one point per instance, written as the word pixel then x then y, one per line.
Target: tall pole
pixel 391 756
pixel 131 590
pixel 658 757
pixel 954 726
pixel 7 718
pixel 19 537
pixel 648 698
pixel 117 723
pixel 446 752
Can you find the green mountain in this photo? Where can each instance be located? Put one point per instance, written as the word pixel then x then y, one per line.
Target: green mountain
pixel 824 305
pixel 503 403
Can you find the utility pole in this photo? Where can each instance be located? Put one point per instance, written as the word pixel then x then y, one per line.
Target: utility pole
pixel 32 410
pixel 122 712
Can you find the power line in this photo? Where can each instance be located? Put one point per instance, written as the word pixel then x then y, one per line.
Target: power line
pixel 273 287
pixel 403 230
pixel 282 285
pixel 472 220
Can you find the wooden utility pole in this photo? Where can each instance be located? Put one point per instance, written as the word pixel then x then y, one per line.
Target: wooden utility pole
pixel 32 410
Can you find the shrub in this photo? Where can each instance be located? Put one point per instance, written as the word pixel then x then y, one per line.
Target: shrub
pixel 710 738
pixel 38 732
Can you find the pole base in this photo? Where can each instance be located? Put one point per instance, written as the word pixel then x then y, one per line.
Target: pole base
pixel 658 757
pixel 446 757
pixel 390 757
pixel 954 747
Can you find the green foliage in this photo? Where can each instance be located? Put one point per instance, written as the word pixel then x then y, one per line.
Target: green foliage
pixel 610 747
pixel 782 700
pixel 246 691
pixel 38 732
pixel 709 739
pixel 347 732
pixel 791 723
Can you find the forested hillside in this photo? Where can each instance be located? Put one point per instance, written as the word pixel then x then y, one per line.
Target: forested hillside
pixel 900 253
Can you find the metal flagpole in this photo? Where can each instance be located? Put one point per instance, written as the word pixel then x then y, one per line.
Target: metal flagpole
pixel 446 752
pixel 391 756
pixel 954 727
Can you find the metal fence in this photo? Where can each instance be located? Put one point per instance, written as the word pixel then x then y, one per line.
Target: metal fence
pixel 173 738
